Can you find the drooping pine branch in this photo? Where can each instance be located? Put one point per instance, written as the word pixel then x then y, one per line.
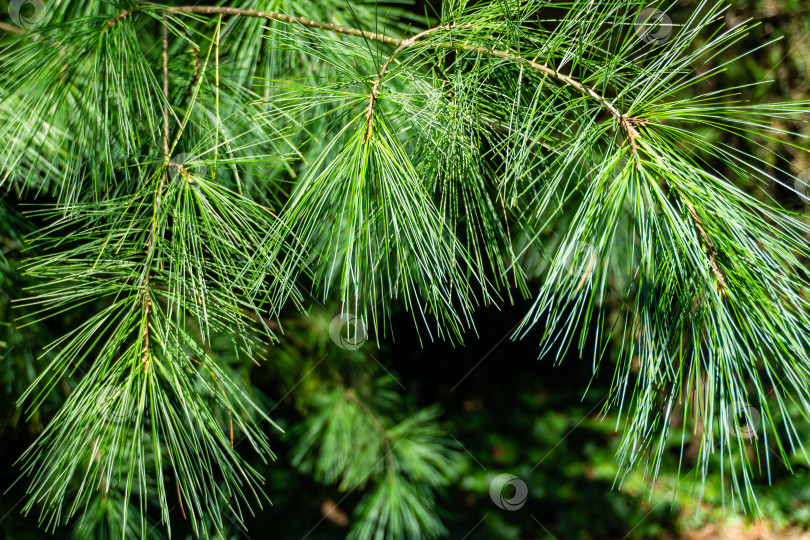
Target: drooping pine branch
pixel 422 171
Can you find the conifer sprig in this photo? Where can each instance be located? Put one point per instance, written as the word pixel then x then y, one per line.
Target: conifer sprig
pixel 205 160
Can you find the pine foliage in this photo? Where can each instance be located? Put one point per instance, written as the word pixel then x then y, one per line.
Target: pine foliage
pixel 197 169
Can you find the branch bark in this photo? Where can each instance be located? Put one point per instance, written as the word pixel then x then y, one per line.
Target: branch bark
pixel 150 243
pixel 291 19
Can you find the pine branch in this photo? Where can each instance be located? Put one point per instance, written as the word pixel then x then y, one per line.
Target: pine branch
pixel 711 252
pixel 402 44
pixel 467 159
pixel 165 56
pixel 375 88
pixel 272 15
pixel 708 245
pixel 121 16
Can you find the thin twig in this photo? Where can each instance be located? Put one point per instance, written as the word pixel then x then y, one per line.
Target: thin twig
pixel 404 44
pixel 303 21
pixel 708 246
pixel 706 241
pixel 147 305
pixel 180 499
pixel 628 124
pixel 194 76
pixel 166 91
pixel 123 15
pixel 150 242
pixel 631 131
pixel 216 82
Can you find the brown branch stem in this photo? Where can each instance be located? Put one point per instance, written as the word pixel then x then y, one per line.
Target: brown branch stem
pixel 706 241
pixel 401 45
pixel 194 76
pixel 123 15
pixel 165 92
pixel 708 245
pixel 625 122
pixel 180 499
pixel 150 242
pixel 291 19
